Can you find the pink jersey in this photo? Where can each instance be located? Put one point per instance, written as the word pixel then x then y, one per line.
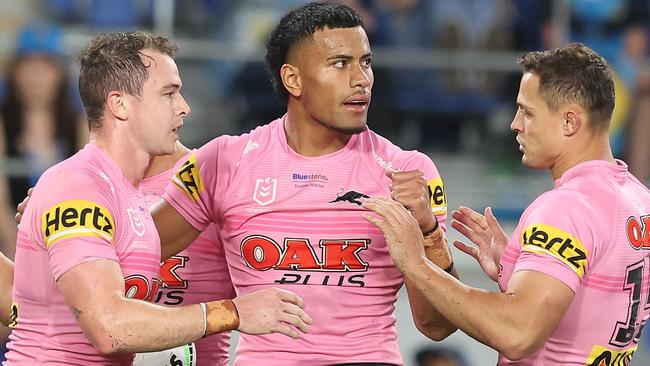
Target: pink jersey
pixel 592 232
pixel 295 223
pixel 197 274
pixel 82 209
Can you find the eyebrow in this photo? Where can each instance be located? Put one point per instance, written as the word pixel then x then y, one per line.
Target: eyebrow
pixel 171 86
pixel 524 106
pixel 343 56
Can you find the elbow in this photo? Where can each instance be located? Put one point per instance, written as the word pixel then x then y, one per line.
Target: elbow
pixel 106 345
pixel 520 346
pixel 105 339
pixel 436 332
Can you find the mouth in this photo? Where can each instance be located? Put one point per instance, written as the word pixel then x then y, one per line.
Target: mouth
pixel 177 128
pixel 357 103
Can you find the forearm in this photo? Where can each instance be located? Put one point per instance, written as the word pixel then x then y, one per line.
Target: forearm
pixel 6 287
pixel 425 316
pixel 427 319
pixel 494 319
pixel 138 326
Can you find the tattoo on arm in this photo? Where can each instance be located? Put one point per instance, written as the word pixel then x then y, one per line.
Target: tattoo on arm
pixel 77 313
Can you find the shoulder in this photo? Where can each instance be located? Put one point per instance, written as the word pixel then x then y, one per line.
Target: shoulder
pixel 390 156
pixel 237 146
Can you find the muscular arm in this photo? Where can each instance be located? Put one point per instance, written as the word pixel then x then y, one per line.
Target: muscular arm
pixel 410 189
pixel 6 287
pixel 515 323
pixel 94 291
pixel 428 320
pixel 175 232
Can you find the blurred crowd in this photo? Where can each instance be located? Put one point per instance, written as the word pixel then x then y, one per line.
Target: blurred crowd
pixel 441 80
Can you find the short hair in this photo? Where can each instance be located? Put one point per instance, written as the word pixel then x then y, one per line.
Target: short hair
pixel 113 61
pixel 300 24
pixel 574 73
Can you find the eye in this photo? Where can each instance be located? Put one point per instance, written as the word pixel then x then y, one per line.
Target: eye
pixel 367 62
pixel 340 64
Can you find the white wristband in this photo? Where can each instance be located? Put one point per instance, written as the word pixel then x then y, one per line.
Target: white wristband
pixel 205 319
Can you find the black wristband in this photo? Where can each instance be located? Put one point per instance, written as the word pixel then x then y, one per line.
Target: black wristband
pixel 450 268
pixel 435 227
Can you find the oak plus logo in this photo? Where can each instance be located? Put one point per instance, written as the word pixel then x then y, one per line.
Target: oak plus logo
pixel 174 284
pixel 265 190
pixel 638 232
pixel 339 262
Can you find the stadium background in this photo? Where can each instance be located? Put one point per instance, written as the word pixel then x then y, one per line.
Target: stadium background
pixel 446 81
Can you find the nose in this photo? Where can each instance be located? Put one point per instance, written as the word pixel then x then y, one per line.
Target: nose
pixel 184 108
pixel 362 76
pixel 515 125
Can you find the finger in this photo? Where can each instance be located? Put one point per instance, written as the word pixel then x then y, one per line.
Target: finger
pixel 380 224
pixel 388 209
pixel 297 311
pixel 466 231
pixel 492 220
pixel 30 191
pixel 471 251
pixel 294 320
pixel 474 219
pixel 286 330
pixel 18 217
pixel 290 297
pixel 401 176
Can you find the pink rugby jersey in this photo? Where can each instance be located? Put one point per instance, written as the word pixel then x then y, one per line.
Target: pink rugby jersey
pixel 82 210
pixel 592 232
pixel 197 274
pixel 295 223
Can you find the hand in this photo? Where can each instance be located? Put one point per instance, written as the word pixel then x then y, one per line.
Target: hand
pixel 22 206
pixel 401 230
pixel 486 233
pixel 410 189
pixel 272 311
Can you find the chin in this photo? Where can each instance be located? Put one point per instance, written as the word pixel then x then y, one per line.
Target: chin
pixel 351 130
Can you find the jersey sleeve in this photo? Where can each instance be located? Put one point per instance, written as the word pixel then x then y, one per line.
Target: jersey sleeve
pixel 557 238
pixel 435 186
pixel 75 225
pixel 194 188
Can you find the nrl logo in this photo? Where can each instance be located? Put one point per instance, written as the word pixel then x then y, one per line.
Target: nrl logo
pixel 265 189
pixel 136 222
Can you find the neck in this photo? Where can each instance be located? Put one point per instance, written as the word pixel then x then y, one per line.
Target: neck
pixel 308 137
pixel 131 159
pixel 159 164
pixel 592 147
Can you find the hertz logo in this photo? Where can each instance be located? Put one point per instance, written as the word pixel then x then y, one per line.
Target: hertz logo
pixel 13 316
pixel 601 356
pixel 437 196
pixel 76 218
pixel 188 178
pixel 547 239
